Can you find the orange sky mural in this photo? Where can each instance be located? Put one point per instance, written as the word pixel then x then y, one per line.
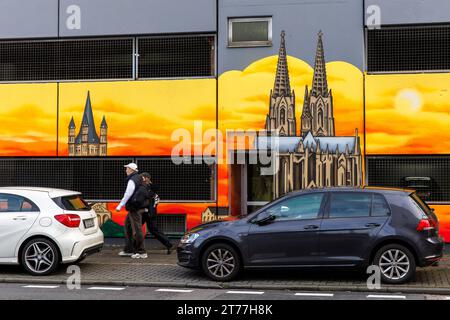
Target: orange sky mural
pixel 408 114
pixel 28 119
pixel 244 95
pixel 244 99
pixel 141 115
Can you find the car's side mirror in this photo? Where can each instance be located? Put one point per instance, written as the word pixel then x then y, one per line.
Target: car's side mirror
pixel 264 217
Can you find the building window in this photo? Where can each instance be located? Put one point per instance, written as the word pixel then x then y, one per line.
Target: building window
pixel 250 32
pixel 408 49
pixel 176 56
pixel 428 175
pixel 80 59
pixel 103 179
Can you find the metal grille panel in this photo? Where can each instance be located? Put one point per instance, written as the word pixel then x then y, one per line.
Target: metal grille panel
pixel 180 182
pixel 429 175
pixel 172 224
pixel 407 49
pixel 66 60
pixel 163 57
pixel 97 179
pixel 105 179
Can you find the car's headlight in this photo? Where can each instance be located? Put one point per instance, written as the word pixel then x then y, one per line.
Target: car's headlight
pixel 189 237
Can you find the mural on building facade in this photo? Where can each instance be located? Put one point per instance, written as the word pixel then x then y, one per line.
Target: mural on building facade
pixel 87 143
pixel 125 119
pixel 408 113
pixel 212 213
pixel 316 157
pixel 28 119
pixel 405 114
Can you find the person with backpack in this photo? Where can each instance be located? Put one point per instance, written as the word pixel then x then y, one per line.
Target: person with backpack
pixel 134 237
pixel 149 216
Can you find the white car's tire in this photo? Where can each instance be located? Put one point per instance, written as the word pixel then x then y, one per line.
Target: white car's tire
pixel 40 257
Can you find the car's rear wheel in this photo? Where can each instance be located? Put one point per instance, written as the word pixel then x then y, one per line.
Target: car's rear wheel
pixel 221 262
pixel 396 263
pixel 40 257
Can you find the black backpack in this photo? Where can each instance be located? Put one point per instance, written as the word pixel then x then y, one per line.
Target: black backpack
pixel 139 198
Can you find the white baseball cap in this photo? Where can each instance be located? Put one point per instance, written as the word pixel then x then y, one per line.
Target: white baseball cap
pixel 132 166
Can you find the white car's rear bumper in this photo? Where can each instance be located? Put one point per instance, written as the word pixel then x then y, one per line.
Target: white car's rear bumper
pixel 79 246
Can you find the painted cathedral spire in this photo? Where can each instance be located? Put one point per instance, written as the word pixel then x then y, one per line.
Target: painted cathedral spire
pixel 87 142
pixel 317 116
pixel 282 86
pixel 88 122
pixel 281 116
pixel 320 85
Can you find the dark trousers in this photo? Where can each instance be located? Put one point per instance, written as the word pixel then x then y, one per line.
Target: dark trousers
pixel 150 220
pixel 134 237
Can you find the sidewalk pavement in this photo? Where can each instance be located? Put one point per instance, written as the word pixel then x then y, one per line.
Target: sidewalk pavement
pixel 161 270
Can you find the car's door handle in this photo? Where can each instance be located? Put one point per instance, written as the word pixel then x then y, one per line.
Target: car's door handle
pixel 311 227
pixel 372 225
pixel 20 218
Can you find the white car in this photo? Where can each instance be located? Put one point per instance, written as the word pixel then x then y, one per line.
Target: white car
pixel 41 228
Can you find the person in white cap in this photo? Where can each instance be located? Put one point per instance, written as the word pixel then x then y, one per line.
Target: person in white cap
pixel 134 237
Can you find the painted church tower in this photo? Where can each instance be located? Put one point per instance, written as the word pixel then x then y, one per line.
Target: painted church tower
pixel 281 115
pixel 317 115
pixel 87 143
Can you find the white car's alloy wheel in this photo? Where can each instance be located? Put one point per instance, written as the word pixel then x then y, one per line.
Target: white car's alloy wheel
pixel 40 257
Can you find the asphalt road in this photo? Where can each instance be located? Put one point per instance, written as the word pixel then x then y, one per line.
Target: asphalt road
pixel 13 291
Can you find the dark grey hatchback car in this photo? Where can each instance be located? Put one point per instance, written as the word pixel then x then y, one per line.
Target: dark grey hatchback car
pixel 332 227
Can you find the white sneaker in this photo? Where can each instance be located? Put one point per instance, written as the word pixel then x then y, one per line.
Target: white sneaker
pixel 139 256
pixel 125 254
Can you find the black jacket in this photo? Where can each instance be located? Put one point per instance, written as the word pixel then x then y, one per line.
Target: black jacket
pixel 137 199
pixel 151 191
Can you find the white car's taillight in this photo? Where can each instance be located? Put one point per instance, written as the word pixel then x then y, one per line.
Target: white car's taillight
pixel 69 220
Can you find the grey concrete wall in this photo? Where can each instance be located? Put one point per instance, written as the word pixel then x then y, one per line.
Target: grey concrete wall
pixel 341 21
pixel 119 17
pixel 411 11
pixel 28 19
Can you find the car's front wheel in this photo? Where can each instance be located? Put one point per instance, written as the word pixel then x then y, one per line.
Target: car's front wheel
pixel 221 262
pixel 40 257
pixel 396 263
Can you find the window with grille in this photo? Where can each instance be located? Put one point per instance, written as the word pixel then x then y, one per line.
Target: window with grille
pixel 66 60
pixel 170 224
pixel 249 32
pixel 105 179
pixel 408 48
pixel 428 175
pixel 177 56
pixel 180 182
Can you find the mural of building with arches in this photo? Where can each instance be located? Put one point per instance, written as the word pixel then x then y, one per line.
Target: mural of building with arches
pixel 103 214
pixel 316 157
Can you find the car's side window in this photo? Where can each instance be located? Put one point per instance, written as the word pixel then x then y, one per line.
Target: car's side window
pixel 298 208
pixel 14 203
pixel 380 208
pixel 350 204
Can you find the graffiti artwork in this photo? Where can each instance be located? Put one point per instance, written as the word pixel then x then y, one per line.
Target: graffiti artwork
pixel 316 157
pixel 87 142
